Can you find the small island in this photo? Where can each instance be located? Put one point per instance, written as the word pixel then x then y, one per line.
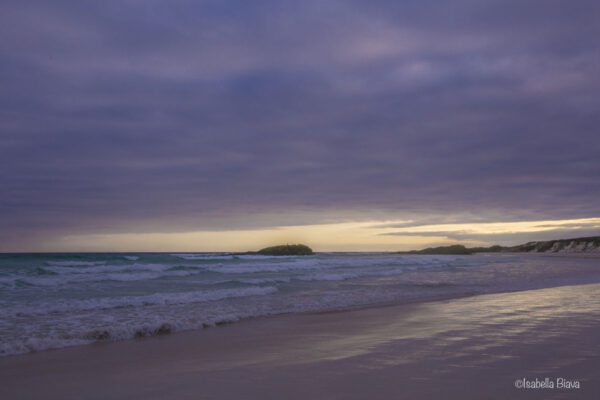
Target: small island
pixel 286 250
pixel 281 250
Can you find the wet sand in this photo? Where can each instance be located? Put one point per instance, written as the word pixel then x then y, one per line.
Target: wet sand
pixel 474 347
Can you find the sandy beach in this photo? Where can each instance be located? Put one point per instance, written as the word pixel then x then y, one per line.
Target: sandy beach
pixel 475 347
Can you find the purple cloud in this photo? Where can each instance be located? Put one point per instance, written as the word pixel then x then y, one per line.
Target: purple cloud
pixel 148 116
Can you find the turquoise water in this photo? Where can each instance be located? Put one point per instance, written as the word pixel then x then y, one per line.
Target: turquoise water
pixel 57 300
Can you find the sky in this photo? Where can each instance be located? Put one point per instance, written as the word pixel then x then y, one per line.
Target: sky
pixel 347 125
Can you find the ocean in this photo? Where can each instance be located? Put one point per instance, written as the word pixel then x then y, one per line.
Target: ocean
pixel 58 300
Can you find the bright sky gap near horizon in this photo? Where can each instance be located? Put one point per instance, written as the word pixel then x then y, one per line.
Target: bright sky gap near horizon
pixel 223 126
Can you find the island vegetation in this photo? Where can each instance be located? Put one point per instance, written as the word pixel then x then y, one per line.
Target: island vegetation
pixel 284 250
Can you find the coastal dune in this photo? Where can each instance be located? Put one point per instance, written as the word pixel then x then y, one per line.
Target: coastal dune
pixel 475 347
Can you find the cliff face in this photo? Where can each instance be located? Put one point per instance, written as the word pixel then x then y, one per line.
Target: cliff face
pixel 578 245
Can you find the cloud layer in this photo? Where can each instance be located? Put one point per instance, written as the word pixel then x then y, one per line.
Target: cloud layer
pixel 147 116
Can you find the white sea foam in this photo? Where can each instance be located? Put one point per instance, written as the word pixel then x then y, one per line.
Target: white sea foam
pixel 31 344
pixel 262 257
pixel 75 263
pixel 104 303
pixel 61 275
pixel 258 281
pixel 120 267
pixel 109 268
pixel 84 335
pixel 257 267
pixel 205 257
pixel 329 276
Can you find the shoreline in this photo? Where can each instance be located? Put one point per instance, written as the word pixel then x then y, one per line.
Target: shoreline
pixel 435 343
pixel 217 325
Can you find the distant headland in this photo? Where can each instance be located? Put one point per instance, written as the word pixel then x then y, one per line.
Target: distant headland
pixel 576 245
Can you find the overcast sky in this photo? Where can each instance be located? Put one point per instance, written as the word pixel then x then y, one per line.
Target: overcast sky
pixel 170 117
